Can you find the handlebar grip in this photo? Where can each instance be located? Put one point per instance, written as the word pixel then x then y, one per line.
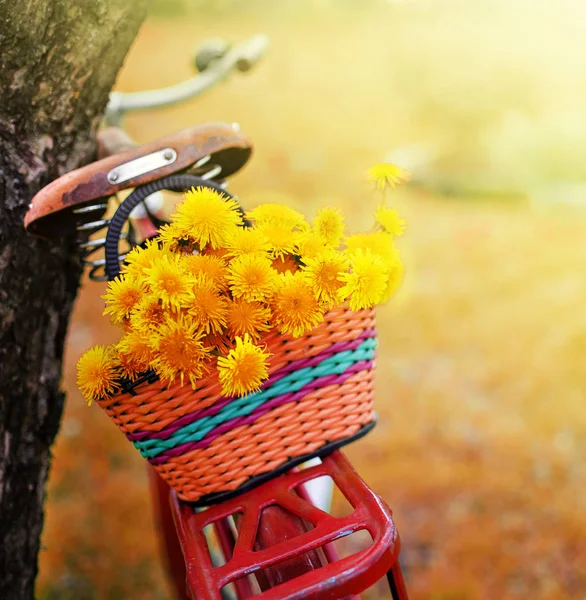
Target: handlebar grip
pixel 251 52
pixel 212 50
pixel 113 140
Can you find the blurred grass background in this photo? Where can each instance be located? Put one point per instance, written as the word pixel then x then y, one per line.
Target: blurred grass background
pixel 480 447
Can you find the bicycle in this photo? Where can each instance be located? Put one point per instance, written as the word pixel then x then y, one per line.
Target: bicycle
pixel 275 542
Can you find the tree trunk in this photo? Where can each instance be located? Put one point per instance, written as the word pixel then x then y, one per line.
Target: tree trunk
pixel 59 60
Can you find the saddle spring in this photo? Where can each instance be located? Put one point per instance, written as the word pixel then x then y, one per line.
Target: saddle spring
pixel 91 222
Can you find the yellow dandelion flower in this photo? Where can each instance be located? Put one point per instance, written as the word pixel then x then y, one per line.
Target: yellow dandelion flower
pixel 122 296
pixel 387 175
pixel 323 274
pixel 133 354
pixel 169 282
pixel 295 307
pixel 308 244
pixel 395 277
pixel 250 318
pixel 179 352
pixel 378 242
pixel 365 285
pixel 329 226
pixel 218 342
pixel 208 307
pixel 252 278
pixel 247 240
pixel 217 252
pixel 97 375
pixel 244 369
pixel 176 239
pixel 280 236
pixel 277 213
pixel 212 267
pixel 390 220
pixel 207 216
pixel 149 314
pixel 284 264
pixel 141 258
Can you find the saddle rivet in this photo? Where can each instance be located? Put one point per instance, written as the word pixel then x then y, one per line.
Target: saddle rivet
pixel 168 155
pixel 113 176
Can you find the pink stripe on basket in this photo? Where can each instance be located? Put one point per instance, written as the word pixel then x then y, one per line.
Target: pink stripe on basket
pixel 215 408
pixel 320 382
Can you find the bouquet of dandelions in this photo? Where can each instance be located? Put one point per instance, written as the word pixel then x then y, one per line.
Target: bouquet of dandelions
pixel 204 292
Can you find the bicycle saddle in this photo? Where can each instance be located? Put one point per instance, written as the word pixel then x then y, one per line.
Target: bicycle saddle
pixel 51 213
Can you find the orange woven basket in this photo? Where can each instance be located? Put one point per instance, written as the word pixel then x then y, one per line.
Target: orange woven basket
pixel 206 446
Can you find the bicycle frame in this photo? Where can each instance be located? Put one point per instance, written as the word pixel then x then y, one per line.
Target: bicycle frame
pixel 283 507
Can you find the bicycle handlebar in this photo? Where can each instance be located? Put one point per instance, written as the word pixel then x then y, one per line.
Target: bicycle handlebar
pixel 241 57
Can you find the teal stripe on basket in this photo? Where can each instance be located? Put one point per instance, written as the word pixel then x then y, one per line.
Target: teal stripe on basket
pixel 243 406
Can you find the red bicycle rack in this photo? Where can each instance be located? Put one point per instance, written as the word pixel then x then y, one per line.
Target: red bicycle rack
pixel 287 558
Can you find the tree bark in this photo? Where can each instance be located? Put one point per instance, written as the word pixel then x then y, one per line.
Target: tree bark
pixel 59 60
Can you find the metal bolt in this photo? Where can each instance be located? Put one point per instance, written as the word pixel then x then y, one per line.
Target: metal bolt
pixel 168 155
pixel 113 176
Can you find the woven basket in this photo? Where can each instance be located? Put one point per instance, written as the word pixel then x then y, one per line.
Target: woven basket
pixel 319 391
